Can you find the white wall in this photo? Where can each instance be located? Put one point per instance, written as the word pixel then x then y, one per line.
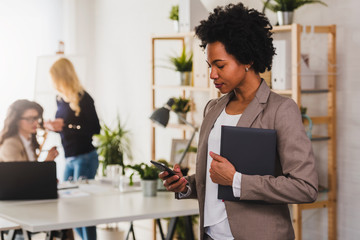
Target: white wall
pixel 123 63
pixel 123 76
pixel 28 29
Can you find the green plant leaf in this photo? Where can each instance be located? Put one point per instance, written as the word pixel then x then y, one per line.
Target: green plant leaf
pixel 181 105
pixel 289 5
pixel 113 145
pixel 182 63
pixel 146 172
pixel 174 13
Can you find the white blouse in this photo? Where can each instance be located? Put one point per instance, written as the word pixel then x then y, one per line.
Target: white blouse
pixel 215 218
pixel 28 148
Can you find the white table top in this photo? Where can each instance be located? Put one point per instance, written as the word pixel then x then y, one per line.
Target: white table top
pixel 7 225
pixel 94 208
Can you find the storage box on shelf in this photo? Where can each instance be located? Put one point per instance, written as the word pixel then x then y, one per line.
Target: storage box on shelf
pixel 329 95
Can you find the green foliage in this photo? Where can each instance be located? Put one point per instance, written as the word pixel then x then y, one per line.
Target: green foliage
pixel 113 145
pixel 180 228
pixel 174 13
pixel 181 105
pixel 303 110
pixel 146 172
pixel 182 63
pixel 191 149
pixel 289 5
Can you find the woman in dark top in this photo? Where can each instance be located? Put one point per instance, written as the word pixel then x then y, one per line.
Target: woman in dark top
pixel 76 121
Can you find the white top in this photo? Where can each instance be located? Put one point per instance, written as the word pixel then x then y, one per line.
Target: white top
pixel 215 218
pixel 28 148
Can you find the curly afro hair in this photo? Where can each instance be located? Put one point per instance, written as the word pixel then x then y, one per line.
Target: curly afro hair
pixel 245 33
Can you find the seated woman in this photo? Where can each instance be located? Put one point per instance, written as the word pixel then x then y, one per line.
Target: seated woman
pixel 18 137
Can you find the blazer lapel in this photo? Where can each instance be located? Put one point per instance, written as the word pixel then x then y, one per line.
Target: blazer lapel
pixel 206 127
pixel 256 106
pixel 212 115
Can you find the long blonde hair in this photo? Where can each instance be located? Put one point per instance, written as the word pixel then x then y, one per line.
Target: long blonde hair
pixel 67 83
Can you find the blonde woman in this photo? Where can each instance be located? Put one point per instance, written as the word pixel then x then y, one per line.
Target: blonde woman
pixel 18 137
pixel 76 121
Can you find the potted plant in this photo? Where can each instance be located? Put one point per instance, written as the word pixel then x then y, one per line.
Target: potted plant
pixel 149 175
pixel 285 8
pixel 181 106
pixel 174 16
pixel 183 64
pixel 113 145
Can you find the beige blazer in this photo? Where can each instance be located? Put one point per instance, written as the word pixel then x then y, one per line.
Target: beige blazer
pixel 296 181
pixel 13 150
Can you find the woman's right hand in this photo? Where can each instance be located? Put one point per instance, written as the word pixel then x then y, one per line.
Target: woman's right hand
pixel 176 183
pixel 55 125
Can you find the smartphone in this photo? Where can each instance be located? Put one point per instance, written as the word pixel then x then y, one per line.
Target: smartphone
pixel 163 167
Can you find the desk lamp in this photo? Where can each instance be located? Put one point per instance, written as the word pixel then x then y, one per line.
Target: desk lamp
pixel 161 117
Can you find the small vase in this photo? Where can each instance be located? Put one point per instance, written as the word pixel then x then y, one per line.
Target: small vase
pixel 113 173
pixel 176 25
pixel 185 78
pixel 183 115
pixel 149 187
pixel 285 18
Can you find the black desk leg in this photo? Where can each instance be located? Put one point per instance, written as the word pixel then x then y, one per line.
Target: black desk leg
pixel 11 235
pixel 131 230
pixel 171 229
pixel 2 235
pixel 189 228
pixel 160 229
pixel 50 235
pixel 27 233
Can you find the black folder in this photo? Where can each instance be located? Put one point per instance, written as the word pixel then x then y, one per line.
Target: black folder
pixel 252 151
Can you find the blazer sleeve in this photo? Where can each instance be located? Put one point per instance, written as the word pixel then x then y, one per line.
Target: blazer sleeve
pixel 299 182
pixel 11 151
pixel 192 185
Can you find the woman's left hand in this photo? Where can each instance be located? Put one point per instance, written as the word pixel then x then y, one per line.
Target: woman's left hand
pixel 221 170
pixel 52 154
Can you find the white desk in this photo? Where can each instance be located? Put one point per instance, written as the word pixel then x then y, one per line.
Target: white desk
pixel 94 209
pixel 7 225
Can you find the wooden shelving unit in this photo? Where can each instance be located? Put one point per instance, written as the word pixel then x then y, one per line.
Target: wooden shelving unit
pixel 330 120
pixel 199 68
pixel 200 75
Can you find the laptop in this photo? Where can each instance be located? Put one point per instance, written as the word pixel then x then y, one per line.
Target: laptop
pixel 28 180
